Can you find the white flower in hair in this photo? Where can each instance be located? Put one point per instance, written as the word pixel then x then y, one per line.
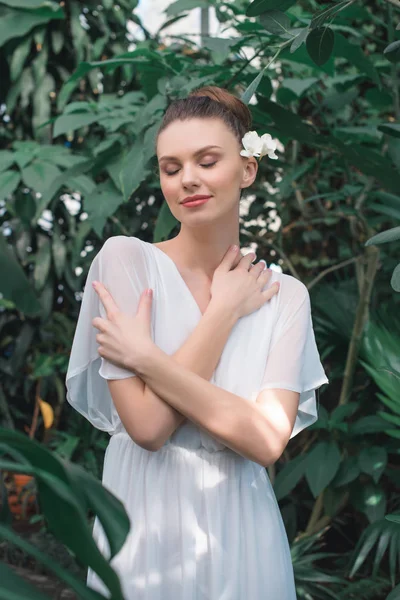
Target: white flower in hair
pixel 254 145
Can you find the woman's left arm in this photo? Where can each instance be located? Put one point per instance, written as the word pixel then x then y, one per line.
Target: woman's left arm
pixel 257 431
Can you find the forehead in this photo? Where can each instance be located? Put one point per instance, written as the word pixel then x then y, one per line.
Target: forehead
pixel 187 137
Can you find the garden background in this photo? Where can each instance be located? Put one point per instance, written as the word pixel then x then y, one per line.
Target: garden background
pixel 81 101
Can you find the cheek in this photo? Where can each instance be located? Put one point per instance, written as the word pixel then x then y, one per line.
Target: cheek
pixel 168 186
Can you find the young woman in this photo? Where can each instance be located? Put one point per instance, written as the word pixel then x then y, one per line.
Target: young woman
pixel 201 384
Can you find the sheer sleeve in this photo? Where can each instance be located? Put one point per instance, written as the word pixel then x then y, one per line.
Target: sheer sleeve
pixel 293 361
pixel 120 266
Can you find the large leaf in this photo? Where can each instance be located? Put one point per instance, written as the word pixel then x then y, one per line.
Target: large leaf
pixel 14 284
pixel 354 54
pixel 13 587
pixel 289 476
pixel 322 465
pixel 9 181
pixel 261 6
pixel 101 204
pixel 320 44
pixel 327 13
pixel 252 88
pixel 373 460
pixel 391 235
pixel 40 175
pixel 175 8
pixel 391 129
pixel 16 587
pixel 17 23
pixel 275 21
pixel 62 492
pixel 392 52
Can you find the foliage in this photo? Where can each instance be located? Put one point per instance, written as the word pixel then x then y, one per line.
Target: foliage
pixel 84 101
pixel 64 489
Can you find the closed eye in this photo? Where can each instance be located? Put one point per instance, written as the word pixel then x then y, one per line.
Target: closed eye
pixel 205 166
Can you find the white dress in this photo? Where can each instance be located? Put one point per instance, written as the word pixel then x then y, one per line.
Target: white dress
pixel 205 523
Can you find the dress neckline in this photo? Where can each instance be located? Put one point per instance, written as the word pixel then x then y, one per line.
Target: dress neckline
pixel 175 268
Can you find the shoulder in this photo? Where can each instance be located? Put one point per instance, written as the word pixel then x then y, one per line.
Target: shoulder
pixel 292 294
pixel 120 242
pixel 120 247
pixel 291 286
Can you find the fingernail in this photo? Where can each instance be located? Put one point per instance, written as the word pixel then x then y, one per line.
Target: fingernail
pixel 149 292
pixel 94 284
pixel 234 248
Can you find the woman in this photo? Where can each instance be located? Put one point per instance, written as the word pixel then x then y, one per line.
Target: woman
pixel 200 385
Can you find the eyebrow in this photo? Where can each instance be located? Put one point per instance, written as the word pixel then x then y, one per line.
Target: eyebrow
pixel 195 154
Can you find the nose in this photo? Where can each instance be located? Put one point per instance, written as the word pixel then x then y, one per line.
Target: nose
pixel 190 176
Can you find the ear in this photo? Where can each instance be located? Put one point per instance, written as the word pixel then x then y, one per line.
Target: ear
pixel 250 168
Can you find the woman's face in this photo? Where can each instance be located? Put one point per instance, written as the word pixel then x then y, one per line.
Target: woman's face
pixel 202 156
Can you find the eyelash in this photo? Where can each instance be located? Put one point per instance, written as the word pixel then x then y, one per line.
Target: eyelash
pixel 204 166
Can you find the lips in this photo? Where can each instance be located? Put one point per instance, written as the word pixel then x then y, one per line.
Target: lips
pixel 193 198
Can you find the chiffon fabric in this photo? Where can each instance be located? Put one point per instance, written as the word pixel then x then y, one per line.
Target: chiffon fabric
pixel 205 523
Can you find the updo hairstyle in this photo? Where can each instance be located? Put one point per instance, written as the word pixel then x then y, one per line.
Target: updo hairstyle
pixel 210 102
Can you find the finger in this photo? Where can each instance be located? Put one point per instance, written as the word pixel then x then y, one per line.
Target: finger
pixel 106 299
pixel 245 262
pixel 271 291
pixel 231 258
pixel 99 323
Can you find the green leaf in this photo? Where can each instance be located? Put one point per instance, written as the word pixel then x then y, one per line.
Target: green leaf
pixel 299 39
pixel 391 235
pixel 260 6
pixel 9 181
pixel 373 461
pixel 356 57
pixel 66 123
pixel 101 204
pixel 322 465
pixel 14 284
pixel 63 179
pixel 343 412
pixel 252 88
pixel 392 52
pixel 17 23
pixel 14 587
pixel 369 424
pixel 61 493
pixel 370 499
pixel 319 18
pixel 392 129
pixel 133 171
pixel 39 175
pixel 289 476
pixel 290 124
pixel 18 57
pixel 395 593
pixel 299 86
pixel 31 4
pixel 320 44
pixel 275 21
pixel 6 159
pixel 395 280
pixel 220 48
pixel 348 471
pixel 182 5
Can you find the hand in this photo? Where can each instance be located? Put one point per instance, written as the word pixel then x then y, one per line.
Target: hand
pixel 124 340
pixel 237 285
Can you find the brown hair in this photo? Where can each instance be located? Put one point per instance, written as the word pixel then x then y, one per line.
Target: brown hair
pixel 208 102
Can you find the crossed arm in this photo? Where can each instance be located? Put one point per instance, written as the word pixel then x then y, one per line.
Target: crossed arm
pixel 177 387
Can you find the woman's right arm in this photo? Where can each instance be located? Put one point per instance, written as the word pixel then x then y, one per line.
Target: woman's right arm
pixel 147 418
